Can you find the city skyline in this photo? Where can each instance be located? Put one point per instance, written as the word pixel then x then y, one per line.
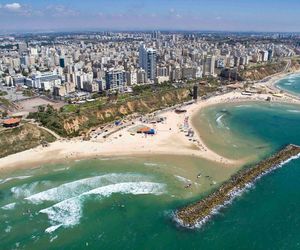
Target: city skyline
pixel 215 15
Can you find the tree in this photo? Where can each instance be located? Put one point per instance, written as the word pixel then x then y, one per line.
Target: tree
pixel 41 109
pixel 4 113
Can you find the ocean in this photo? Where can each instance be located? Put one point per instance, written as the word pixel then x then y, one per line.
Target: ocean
pixel 129 202
pixel 290 84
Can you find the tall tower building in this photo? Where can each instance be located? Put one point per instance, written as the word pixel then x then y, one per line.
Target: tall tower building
pixel 147 61
pixel 115 79
pixel 209 66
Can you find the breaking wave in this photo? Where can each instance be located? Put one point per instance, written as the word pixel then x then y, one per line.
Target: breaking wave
pixel 15 178
pixel 26 190
pixel 9 206
pixel 293 111
pixel 183 179
pixel 219 120
pixel 78 187
pixel 244 106
pixel 67 213
pixel 150 164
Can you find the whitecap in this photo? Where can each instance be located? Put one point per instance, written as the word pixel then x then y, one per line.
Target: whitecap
pixel 60 169
pixel 53 238
pixel 183 179
pixel 75 188
pixel 67 213
pixel 24 190
pixel 219 120
pixel 15 178
pixel 293 111
pixel 9 206
pixel 150 164
pixel 8 229
pixel 244 106
pixel 52 228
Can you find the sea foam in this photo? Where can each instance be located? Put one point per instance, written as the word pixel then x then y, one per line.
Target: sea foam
pixel 183 179
pixel 67 213
pixel 75 188
pixel 9 206
pixel 15 178
pixel 219 121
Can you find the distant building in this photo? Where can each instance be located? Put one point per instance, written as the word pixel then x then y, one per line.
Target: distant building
pixel 264 55
pixel 132 77
pixel 209 66
pixel 45 80
pixel 270 55
pixel 24 60
pixel 115 79
pixel 141 76
pixel 64 89
pixel 19 80
pixel 147 61
pixel 62 62
pixel 22 48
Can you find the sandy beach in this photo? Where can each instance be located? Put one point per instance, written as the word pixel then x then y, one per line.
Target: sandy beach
pixel 170 138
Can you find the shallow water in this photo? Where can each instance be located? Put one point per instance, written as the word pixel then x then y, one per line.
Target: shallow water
pixel 128 203
pixel 290 83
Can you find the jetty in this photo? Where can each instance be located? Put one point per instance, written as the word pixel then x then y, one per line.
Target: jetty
pixel 198 213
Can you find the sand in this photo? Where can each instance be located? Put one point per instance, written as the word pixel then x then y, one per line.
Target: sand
pixel 170 138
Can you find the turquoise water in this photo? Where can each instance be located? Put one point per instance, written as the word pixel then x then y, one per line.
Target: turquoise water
pixel 290 84
pixel 129 203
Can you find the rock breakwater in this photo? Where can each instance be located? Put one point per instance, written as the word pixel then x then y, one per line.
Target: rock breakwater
pixel 198 213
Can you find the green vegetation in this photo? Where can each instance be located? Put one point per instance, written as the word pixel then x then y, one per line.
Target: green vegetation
pixel 50 118
pixel 22 138
pixel 5 104
pixel 28 92
pixel 75 119
pixel 2 93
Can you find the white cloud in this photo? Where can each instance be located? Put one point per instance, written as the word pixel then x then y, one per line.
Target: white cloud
pixel 61 11
pixel 13 6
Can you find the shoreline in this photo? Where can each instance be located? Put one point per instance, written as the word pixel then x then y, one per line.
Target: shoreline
pixel 169 140
pixel 197 214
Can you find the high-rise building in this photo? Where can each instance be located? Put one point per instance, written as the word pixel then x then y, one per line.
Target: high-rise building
pixel 209 66
pixel 115 79
pixel 24 60
pixel 62 62
pixel 147 61
pixel 22 48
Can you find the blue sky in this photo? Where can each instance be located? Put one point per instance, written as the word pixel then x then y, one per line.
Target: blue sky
pixel 230 15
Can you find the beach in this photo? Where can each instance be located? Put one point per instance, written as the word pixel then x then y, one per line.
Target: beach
pixel 170 137
pixel 131 184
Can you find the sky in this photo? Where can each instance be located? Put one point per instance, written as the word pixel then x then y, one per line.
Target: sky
pixel 218 15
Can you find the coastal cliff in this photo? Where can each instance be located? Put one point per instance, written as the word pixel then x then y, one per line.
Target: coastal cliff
pixel 262 71
pixel 24 137
pixel 199 212
pixel 81 118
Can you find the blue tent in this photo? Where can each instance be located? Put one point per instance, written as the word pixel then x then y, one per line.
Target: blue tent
pixel 151 132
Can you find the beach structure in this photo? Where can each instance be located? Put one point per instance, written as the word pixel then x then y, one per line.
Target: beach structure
pixel 11 122
pixel 146 130
pixel 179 111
